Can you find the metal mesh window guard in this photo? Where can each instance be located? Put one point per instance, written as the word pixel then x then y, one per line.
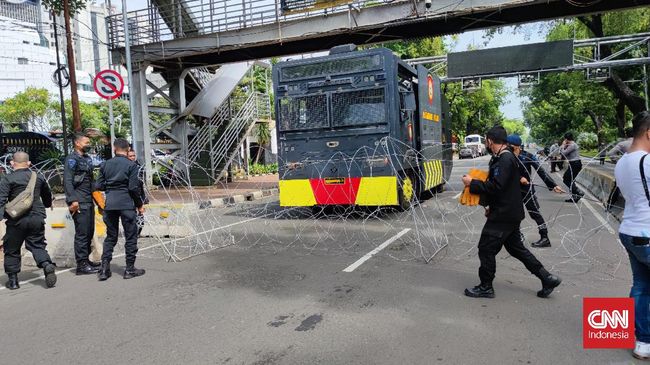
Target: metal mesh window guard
pixel 303 112
pixel 333 67
pixel 361 107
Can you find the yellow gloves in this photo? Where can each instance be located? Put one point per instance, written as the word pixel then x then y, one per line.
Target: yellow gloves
pixel 466 198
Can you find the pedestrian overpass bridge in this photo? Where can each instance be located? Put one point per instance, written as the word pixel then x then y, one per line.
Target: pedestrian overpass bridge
pixel 185 41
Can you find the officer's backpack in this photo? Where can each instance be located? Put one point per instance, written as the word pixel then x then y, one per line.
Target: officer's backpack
pixel 22 203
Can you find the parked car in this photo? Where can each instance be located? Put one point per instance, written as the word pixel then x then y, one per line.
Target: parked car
pixel 160 155
pixel 468 152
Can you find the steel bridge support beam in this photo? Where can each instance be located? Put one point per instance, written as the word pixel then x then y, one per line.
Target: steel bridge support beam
pixel 141 138
pixel 180 128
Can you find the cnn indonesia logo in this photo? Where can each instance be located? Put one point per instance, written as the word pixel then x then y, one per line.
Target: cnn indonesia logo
pixel 608 323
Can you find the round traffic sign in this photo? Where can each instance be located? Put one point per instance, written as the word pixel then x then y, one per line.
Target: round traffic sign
pixel 109 84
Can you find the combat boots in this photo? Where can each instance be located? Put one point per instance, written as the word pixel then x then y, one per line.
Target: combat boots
pixel 50 274
pixel 543 242
pixel 94 264
pixel 105 271
pixel 131 272
pixel 480 291
pixel 84 268
pixel 12 283
pixel 549 282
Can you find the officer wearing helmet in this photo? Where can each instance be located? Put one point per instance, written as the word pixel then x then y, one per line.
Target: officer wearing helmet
pixel 527 163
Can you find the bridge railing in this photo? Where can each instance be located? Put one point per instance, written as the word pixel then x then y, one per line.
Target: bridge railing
pixel 193 18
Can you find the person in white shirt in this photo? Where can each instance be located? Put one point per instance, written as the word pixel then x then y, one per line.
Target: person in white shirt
pixel 554 156
pixel 632 178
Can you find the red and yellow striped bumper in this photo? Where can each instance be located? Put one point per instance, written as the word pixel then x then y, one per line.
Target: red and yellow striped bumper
pixel 363 191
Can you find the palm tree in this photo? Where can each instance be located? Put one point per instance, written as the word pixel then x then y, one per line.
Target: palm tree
pixel 263 135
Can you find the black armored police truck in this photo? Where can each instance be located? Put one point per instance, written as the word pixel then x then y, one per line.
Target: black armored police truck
pixel 360 128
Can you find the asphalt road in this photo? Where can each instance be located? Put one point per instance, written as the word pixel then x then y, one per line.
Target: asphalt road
pixel 278 293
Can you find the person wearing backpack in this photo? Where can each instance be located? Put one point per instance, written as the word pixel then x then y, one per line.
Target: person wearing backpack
pixel 632 178
pixel 24 195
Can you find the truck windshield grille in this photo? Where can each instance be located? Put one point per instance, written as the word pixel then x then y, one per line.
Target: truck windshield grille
pixel 331 67
pixel 303 112
pixel 355 108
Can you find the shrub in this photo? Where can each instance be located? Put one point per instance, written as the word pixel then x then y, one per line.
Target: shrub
pixel 587 140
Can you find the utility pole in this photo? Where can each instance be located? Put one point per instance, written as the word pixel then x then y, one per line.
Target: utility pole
pixel 76 115
pixel 60 82
pixel 111 118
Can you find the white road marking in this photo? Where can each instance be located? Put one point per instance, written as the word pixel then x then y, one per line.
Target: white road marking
pixel 458 195
pixel 72 268
pixel 595 213
pixel 370 254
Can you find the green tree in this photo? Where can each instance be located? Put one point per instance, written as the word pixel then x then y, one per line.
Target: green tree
pixel 28 110
pixel 515 126
pixel 425 47
pixel 91 115
pixel 57 5
pixel 476 110
pixel 567 101
pixel 121 115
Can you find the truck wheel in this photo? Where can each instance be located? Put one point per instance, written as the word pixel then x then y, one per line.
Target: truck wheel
pixel 405 193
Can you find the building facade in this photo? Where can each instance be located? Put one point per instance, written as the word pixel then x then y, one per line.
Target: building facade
pixel 89 36
pixel 29 57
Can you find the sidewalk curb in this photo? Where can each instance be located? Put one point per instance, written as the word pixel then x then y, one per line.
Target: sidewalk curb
pixel 239 198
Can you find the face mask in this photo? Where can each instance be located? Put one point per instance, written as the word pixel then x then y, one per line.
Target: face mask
pixel 86 149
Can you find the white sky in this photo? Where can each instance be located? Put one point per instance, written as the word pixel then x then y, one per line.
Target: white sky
pixel 528 34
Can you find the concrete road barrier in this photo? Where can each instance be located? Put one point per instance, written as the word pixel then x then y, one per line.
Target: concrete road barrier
pixel 601 183
pixel 161 221
pixel 59 235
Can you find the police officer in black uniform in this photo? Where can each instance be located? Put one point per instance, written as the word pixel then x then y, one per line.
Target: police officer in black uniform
pixel 527 163
pixel 118 177
pixel 78 183
pixel 143 192
pixel 28 228
pixel 501 195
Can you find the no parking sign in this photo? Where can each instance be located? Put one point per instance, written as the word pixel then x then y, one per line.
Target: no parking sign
pixel 109 84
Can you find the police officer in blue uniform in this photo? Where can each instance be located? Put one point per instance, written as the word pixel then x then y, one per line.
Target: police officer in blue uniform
pixel 118 177
pixel 78 183
pixel 527 163
pixel 501 196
